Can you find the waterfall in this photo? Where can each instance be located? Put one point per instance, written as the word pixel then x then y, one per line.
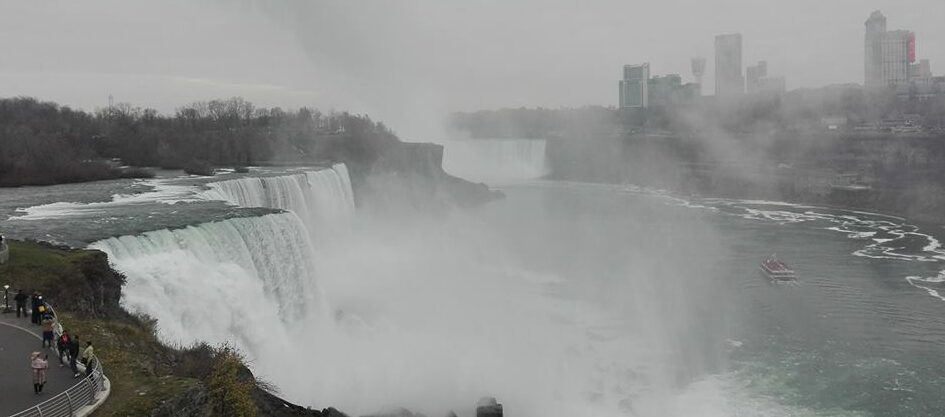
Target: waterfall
pixel 323 199
pixel 496 160
pixel 220 281
pixel 247 281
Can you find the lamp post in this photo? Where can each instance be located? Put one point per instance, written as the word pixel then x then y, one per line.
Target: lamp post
pixel 6 298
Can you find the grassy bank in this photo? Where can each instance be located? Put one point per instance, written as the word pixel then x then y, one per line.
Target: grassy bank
pixel 135 361
pixel 147 377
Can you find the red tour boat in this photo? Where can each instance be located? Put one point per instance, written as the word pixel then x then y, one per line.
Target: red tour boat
pixel 777 271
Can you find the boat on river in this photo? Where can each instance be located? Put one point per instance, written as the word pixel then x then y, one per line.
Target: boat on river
pixel 777 271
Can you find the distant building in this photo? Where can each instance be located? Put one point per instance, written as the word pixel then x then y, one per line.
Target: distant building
pixel 921 89
pixel 728 66
pixel 889 55
pixel 669 90
pixel 758 81
pixel 772 85
pixel 662 89
pixel 754 75
pixel 698 70
pixel 634 87
pixel 920 71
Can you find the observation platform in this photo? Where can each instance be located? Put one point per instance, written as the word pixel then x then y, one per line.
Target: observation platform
pixel 19 338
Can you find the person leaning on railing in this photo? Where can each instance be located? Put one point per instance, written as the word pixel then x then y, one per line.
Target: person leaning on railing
pixel 88 356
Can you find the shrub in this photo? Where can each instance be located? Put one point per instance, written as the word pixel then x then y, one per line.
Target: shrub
pixel 230 395
pixel 196 167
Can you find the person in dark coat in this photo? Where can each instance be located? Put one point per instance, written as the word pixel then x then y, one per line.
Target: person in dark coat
pixel 74 356
pixel 20 299
pixel 35 301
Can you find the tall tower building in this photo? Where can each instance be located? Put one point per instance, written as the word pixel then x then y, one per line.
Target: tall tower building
pixel 728 65
pixel 634 92
pixel 888 55
pixel 698 70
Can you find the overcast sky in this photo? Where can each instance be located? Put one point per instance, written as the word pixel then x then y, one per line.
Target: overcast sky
pixel 411 62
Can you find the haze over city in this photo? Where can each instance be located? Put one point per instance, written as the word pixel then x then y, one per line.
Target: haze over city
pixel 409 63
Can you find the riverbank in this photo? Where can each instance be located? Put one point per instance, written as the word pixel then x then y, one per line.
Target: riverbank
pixel 895 175
pixel 148 378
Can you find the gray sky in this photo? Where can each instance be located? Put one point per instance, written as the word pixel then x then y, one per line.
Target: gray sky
pixel 410 62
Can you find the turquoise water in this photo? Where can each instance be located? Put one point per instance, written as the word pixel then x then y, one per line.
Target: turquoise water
pixel 861 333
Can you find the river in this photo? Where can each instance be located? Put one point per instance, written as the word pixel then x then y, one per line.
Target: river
pixel 561 299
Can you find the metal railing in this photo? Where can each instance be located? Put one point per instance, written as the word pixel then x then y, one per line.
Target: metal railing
pixel 84 393
pixel 69 402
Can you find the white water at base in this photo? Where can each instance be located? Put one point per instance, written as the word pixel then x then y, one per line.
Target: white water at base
pixel 496 160
pixel 232 280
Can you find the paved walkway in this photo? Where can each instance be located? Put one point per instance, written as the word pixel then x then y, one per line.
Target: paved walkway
pixel 19 337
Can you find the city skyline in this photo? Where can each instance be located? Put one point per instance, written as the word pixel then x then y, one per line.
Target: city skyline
pixel 412 62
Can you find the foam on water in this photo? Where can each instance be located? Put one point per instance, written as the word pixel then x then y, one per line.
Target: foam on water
pixel 889 237
pixel 161 191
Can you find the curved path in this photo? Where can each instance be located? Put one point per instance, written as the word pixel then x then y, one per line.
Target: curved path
pixel 18 338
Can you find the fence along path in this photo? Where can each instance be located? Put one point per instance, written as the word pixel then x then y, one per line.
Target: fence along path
pixel 80 399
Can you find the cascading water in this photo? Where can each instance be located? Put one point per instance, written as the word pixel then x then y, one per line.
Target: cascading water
pixel 231 280
pixel 249 281
pixel 323 199
pixel 430 313
pixel 496 160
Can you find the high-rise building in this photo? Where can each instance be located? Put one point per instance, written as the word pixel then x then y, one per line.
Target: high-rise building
pixel 888 54
pixel 758 80
pixel 754 75
pixel 728 65
pixel 634 86
pixel 663 89
pixel 669 90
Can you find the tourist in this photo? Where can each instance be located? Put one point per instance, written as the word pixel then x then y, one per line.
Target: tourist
pixel 47 330
pixel 20 299
pixel 87 353
pixel 39 366
pixel 62 343
pixel 88 358
pixel 74 356
pixel 36 301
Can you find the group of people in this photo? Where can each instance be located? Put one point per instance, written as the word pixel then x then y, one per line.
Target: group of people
pixel 68 346
pixel 38 306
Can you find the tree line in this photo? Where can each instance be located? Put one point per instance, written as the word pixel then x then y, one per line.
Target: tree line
pixel 44 143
